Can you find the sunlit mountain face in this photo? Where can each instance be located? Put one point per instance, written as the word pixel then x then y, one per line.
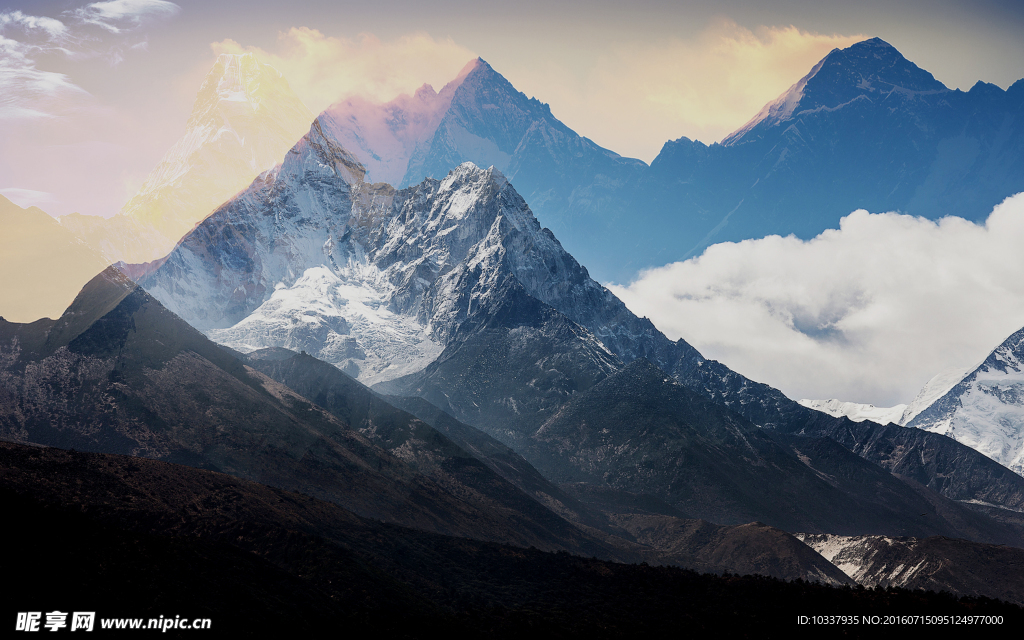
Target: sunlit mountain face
pixel 865 128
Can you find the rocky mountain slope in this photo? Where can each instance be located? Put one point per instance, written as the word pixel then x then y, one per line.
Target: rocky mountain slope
pixel 118 373
pixel 666 535
pixel 152 536
pixel 936 564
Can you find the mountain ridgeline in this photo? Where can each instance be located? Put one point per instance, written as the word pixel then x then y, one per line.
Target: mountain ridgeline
pixel 864 129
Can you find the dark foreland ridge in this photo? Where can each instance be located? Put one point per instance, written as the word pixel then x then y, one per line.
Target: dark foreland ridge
pixel 254 559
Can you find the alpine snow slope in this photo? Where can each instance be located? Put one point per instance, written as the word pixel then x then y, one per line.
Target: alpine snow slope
pixel 450 290
pixel 985 409
pixel 245 117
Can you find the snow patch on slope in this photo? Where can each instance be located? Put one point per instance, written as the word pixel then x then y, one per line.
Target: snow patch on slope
pixel 933 390
pixel 869 559
pixel 856 411
pixel 342 318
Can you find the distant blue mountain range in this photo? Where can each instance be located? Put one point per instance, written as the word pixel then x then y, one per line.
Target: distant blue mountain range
pixel 865 128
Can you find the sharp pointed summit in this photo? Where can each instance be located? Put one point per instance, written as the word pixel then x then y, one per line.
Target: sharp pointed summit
pixel 479 117
pixel 865 128
pixel 869 69
pixel 244 119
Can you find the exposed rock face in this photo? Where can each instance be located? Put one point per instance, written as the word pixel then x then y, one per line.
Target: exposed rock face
pixel 118 373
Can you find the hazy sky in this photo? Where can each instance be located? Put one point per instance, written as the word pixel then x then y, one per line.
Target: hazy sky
pixel 92 94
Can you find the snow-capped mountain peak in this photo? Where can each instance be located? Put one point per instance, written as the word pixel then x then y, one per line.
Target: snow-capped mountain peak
pixel 244 119
pixel 984 409
pixel 311 257
pixel 871 69
pixel 386 136
pixel 782 108
pixel 981 406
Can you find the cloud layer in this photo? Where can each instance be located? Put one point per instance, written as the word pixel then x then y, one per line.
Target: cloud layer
pixel 865 313
pixel 28 92
pixel 56 138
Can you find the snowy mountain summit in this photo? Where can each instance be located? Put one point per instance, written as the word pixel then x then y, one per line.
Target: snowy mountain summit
pixel 480 117
pixel 369 278
pixel 244 119
pixel 866 71
pixel 387 294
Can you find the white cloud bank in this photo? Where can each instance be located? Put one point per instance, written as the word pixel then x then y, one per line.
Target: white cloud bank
pixel 865 313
